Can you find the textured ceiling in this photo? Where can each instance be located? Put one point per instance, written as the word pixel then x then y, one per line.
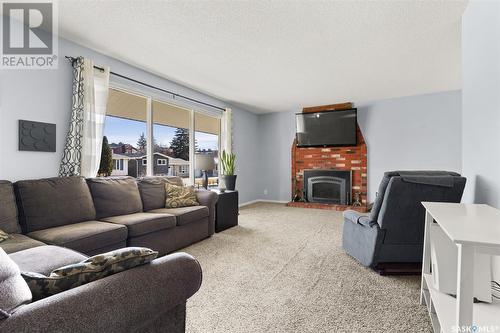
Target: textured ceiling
pixel 280 55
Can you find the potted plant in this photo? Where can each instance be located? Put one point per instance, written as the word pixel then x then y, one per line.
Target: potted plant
pixel 227 163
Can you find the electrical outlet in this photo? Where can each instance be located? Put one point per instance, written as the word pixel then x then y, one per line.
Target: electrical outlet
pixel 265 191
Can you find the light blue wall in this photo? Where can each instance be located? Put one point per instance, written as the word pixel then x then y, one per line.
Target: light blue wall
pixel 245 144
pixel 416 132
pixel 481 101
pixel 481 105
pixel 45 95
pixel 412 133
pixel 276 134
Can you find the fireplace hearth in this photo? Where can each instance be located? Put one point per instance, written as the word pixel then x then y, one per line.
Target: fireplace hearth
pixel 327 186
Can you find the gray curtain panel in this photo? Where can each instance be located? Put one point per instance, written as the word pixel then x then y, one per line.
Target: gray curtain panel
pixel 71 162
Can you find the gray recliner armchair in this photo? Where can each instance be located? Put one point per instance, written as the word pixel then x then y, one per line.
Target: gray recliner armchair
pixel 394 230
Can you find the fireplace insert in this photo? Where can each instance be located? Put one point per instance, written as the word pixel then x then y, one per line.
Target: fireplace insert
pixel 327 186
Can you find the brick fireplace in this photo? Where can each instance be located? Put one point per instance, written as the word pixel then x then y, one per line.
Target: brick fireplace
pixel 351 159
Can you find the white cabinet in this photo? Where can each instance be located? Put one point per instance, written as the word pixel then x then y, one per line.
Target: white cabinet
pixel 473 229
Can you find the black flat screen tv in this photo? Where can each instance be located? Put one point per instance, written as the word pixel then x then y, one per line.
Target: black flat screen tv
pixel 326 128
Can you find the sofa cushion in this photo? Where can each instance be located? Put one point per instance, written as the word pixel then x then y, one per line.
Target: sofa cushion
pixel 180 196
pixel 84 236
pixel 18 242
pixel 53 202
pixel 88 270
pixel 174 180
pixel 152 190
pixel 44 259
pixel 8 209
pixel 143 223
pixel 14 290
pixel 115 196
pixel 185 215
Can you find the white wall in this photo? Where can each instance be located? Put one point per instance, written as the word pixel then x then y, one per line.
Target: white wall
pixel 481 105
pixel 408 133
pixel 481 101
pixel 45 95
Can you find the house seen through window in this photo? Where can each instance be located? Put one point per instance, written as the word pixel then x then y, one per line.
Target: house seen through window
pixel 127 132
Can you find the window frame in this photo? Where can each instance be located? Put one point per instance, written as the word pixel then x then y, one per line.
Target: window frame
pixel 163 160
pixel 164 98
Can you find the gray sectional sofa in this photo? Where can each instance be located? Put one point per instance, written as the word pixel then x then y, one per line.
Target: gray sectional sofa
pixel 59 221
pixel 101 214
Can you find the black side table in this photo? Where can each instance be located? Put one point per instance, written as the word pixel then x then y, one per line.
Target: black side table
pixel 226 210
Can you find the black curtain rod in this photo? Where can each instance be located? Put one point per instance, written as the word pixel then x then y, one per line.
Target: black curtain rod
pixel 157 88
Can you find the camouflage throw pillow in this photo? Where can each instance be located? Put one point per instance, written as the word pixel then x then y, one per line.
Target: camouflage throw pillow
pixel 3 235
pixel 180 196
pixel 91 269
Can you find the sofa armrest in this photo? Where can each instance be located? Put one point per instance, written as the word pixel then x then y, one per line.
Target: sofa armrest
pixel 355 217
pixel 122 302
pixel 208 199
pixel 366 221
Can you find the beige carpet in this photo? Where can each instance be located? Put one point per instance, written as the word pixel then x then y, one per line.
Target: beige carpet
pixel 283 270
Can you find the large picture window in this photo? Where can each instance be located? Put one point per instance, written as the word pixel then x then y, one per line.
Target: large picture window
pixel 207 142
pixel 171 126
pixel 126 128
pixel 151 137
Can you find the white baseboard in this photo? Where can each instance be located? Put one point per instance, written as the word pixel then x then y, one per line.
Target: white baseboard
pixel 248 203
pixel 262 200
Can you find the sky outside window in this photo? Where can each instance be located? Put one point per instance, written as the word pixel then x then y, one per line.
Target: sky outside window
pixel 128 131
pixel 123 130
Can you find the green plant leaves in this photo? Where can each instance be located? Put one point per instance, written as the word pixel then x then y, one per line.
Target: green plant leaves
pixel 228 163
